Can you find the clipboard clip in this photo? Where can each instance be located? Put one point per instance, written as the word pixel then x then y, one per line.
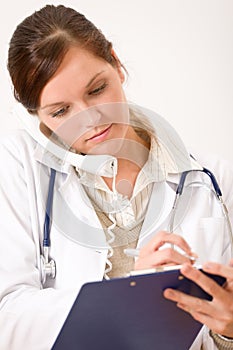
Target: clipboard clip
pixel 154 270
pixel 161 268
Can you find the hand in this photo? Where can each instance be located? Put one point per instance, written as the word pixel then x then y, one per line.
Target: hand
pixel 151 256
pixel 217 314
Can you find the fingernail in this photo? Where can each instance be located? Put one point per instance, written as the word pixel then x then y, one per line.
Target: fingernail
pixel 186 267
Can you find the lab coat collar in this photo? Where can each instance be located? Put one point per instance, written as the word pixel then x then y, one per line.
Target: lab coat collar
pixel 174 177
pixel 161 166
pixel 47 158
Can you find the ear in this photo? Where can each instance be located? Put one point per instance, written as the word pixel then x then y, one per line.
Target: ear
pixel 118 66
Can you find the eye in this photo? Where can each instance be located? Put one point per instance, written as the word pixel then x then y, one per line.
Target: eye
pixel 60 113
pixel 98 90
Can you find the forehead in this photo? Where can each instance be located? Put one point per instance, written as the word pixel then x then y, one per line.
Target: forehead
pixel 77 69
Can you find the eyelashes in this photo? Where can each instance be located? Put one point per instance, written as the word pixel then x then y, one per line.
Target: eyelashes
pixel 61 112
pixel 64 110
pixel 98 90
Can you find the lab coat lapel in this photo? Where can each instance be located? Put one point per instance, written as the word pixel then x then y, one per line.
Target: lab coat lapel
pixel 81 222
pixel 74 194
pixel 159 208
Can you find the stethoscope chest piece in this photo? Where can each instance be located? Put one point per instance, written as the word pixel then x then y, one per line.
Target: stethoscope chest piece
pixel 48 269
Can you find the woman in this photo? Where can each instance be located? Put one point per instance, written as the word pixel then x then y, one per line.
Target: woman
pixel 115 169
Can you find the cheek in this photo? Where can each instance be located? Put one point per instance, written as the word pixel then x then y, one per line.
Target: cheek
pixel 115 94
pixel 119 131
pixel 71 130
pixel 51 123
pixel 79 146
pixel 120 95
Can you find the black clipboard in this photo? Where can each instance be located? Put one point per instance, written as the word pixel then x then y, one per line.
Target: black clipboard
pixel 131 314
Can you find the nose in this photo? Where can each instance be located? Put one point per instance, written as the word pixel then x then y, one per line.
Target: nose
pixel 80 106
pixel 86 114
pixel 91 117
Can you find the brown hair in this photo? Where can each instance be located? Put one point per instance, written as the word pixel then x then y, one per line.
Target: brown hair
pixel 40 43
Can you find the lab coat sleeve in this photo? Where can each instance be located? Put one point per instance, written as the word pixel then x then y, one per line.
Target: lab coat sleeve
pixel 226 180
pixel 223 171
pixel 203 341
pixel 30 317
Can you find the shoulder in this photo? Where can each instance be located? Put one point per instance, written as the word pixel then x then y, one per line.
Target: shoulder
pixel 222 170
pixel 16 142
pixel 214 163
pixel 16 152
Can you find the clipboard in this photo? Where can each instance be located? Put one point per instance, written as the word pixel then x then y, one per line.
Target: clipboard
pixel 130 313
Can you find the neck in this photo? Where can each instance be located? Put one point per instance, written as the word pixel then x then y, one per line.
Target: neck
pixel 131 157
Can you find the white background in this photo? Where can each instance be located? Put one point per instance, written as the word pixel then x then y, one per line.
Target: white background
pixel 179 55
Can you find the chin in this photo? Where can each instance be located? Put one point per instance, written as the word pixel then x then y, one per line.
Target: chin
pixel 111 147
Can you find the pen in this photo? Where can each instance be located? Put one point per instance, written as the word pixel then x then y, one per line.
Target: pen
pixel 132 252
pixel 135 253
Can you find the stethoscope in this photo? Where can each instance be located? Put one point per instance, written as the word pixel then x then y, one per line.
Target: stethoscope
pixel 218 194
pixel 48 266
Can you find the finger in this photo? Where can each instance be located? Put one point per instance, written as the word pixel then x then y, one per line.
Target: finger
pixel 200 316
pixel 200 309
pixel 216 314
pixel 212 321
pixel 187 302
pixel 161 257
pixel 190 304
pixel 163 237
pixel 219 269
pixel 206 283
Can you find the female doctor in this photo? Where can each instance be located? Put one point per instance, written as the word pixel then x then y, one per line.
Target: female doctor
pixel 106 172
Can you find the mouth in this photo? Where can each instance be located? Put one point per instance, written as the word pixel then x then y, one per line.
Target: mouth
pixel 101 135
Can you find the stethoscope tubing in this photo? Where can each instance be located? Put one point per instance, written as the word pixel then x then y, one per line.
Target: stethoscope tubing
pixel 47 222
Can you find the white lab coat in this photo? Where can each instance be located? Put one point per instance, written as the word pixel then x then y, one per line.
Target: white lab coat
pixel 32 315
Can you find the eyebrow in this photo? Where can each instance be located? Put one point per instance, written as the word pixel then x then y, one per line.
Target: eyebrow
pixel 88 84
pixel 93 79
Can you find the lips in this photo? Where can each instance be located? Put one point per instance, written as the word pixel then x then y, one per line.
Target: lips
pixel 101 135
